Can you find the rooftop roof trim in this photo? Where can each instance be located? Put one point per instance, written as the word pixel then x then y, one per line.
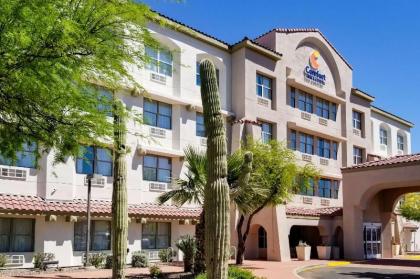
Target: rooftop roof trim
pixel 363 94
pixel 246 42
pixel 392 116
pixel 385 163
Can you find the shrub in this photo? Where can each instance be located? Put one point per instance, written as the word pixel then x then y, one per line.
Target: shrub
pixel 165 255
pixel 234 273
pixel 155 271
pixel 187 244
pixel 139 259
pixel 40 258
pixel 108 262
pixel 97 259
pixel 3 260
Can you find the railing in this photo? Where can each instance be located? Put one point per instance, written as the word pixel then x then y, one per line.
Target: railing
pixel 15 260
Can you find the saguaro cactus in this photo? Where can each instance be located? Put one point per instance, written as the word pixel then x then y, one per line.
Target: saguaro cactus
pixel 216 193
pixel 119 195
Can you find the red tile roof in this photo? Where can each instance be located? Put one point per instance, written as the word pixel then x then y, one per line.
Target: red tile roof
pixel 409 225
pixel 391 161
pixel 35 204
pixel 314 212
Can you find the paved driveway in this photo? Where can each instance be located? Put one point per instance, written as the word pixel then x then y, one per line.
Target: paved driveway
pixel 348 272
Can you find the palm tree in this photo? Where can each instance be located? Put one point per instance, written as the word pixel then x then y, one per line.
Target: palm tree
pixel 191 190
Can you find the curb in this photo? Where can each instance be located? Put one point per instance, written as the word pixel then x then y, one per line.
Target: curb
pixel 298 270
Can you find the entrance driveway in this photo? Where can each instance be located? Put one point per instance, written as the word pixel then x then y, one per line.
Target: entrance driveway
pixel 349 272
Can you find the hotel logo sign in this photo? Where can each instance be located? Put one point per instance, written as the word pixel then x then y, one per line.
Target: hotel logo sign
pixel 311 73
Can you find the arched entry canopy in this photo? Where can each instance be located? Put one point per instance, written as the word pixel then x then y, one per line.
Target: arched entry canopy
pixel 370 192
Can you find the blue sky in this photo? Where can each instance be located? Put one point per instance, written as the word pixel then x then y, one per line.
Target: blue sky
pixel 380 38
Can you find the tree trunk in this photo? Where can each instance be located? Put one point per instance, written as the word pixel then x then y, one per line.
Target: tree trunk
pixel 119 196
pixel 199 257
pixel 216 193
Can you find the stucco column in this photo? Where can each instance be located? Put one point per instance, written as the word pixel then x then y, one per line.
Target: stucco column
pixel 353 232
pixel 280 250
pixel 386 237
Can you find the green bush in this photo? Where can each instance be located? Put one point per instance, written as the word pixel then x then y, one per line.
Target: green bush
pixel 139 259
pixel 155 271
pixel 165 255
pixel 108 262
pixel 40 258
pixel 187 244
pixel 3 260
pixel 234 273
pixel 97 259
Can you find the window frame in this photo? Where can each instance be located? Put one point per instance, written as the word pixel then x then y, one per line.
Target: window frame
pixel 322 187
pixel 93 235
pixel 293 139
pixel 357 157
pixel 94 161
pixel 158 115
pixel 11 235
pixel 323 106
pixel 308 191
pixel 306 143
pixel 157 168
pixel 266 136
pixel 200 128
pixel 307 101
pixel 400 142
pixel 261 85
pixel 383 136
pixel 198 76
pixel 157 61
pixel 156 235
pixel 324 148
pixel 357 121
pixel 262 238
pixel 28 151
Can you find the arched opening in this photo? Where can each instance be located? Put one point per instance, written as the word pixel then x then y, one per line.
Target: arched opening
pixel 338 242
pixel 308 234
pixel 257 243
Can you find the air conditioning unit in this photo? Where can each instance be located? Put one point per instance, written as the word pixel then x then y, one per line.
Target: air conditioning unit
pixel 307 200
pixel 323 161
pixel 203 141
pixel 15 260
pixel 383 147
pixel 264 102
pixel 305 115
pixel 357 132
pixel 157 132
pixel 323 121
pixel 158 78
pixel 157 187
pixel 152 255
pixel 96 180
pixel 13 173
pixel 400 152
pixel 306 157
pixel 325 202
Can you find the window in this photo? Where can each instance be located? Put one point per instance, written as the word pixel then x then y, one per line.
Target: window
pixel 336 189
pixel 156 235
pixel 264 86
pixel 334 150
pixel 262 238
pixel 357 155
pixel 323 108
pixel 26 158
pixel 157 114
pixel 156 168
pixel 200 129
pixel 400 142
pixel 160 61
pixel 324 148
pixel 16 235
pixel 105 101
pixel 293 138
pixel 333 115
pixel 308 190
pixel 94 158
pixel 197 74
pixel 266 132
pixel 324 188
pixel 306 143
pixel 100 235
pixel 357 120
pixel 305 102
pixel 292 97
pixel 383 136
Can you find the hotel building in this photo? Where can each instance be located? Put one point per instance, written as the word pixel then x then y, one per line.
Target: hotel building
pixel 292 82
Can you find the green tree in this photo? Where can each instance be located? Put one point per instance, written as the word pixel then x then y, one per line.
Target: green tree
pixel 50 54
pixel 190 189
pixel 275 176
pixel 410 207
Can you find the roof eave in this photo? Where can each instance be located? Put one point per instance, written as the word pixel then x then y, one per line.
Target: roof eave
pixel 257 48
pixel 392 116
pixel 361 94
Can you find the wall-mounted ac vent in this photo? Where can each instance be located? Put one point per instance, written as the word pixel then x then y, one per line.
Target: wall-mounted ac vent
pixel 357 132
pixel 323 121
pixel 13 173
pixel 157 187
pixel 264 102
pixel 306 157
pixel 96 181
pixel 305 115
pixel 383 147
pixel 15 260
pixel 400 152
pixel 325 202
pixel 157 132
pixel 323 161
pixel 203 141
pixel 158 78
pixel 307 200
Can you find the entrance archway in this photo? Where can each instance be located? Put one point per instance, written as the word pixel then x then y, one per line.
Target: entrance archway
pixel 257 243
pixel 308 234
pixel 339 241
pixel 370 192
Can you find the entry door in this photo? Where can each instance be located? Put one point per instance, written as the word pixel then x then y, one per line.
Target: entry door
pixel 372 240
